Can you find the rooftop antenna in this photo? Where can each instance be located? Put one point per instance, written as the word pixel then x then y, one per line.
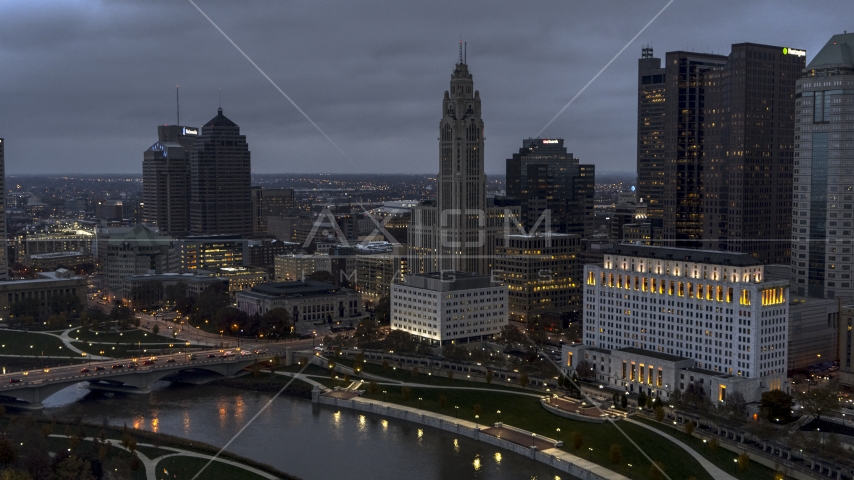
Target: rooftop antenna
pixel 461 49
pixel 466 52
pixel 177 106
pixel 220 99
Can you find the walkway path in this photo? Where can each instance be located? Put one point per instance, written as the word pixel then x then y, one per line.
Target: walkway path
pixel 713 470
pixel 151 464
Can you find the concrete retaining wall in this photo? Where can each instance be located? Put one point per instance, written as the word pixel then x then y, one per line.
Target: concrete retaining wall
pixel 570 415
pixel 558 460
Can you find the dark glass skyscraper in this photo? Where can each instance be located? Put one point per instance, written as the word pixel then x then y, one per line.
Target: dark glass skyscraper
pixel 823 196
pixel 544 176
pixel 684 135
pixel 748 152
pixel 650 161
pixel 166 179
pixel 220 180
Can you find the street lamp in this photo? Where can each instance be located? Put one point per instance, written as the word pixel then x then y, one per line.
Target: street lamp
pixel 419 402
pixel 456 411
pixel 499 416
pixel 476 423
pixel 735 467
pixel 384 395
pixel 558 435
pixel 533 438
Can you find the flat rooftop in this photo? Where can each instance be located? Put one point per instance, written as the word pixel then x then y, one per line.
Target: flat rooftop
pixel 653 354
pixel 297 289
pixel 686 255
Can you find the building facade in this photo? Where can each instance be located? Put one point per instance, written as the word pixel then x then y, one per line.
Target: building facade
pixel 458 232
pixel 543 176
pixel 823 201
pixel 139 251
pixel 211 251
pixel 270 202
pixel 714 308
pixel 46 285
pixel 446 308
pixel 542 274
pixel 307 301
pixel 749 152
pixel 166 179
pixel 4 251
pixel 297 266
pixel 220 202
pixel 650 161
pixel 684 133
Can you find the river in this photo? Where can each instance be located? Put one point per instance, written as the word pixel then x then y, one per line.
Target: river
pixel 313 442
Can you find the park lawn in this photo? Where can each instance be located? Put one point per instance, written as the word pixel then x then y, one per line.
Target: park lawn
pixel 722 458
pixel 182 467
pixel 153 452
pixel 128 336
pixel 438 378
pixel 31 344
pixel 526 413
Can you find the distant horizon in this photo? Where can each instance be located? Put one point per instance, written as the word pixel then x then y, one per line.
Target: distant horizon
pixel 605 172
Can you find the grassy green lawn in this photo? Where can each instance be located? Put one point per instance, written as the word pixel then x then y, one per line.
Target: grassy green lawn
pixel 181 467
pixel 128 336
pixel 526 412
pixel 153 452
pixel 27 343
pixel 437 378
pixel 722 458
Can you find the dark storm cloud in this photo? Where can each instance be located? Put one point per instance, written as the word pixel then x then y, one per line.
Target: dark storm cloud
pixel 84 84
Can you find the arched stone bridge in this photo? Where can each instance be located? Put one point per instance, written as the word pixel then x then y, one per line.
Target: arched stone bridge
pixel 38 385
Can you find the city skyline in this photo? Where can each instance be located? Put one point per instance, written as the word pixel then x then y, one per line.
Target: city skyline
pixel 395 80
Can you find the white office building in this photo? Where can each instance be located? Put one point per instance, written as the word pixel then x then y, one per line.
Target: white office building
pixel 713 308
pixel 444 308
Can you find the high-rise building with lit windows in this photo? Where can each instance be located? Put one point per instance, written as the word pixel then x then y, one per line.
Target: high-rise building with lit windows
pixel 166 179
pixel 542 273
pixel 823 196
pixel 715 309
pixel 650 161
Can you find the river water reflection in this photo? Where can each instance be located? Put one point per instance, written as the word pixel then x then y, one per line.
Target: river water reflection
pixel 310 441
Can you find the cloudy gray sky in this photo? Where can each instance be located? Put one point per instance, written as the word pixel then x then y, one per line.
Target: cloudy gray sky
pixel 83 84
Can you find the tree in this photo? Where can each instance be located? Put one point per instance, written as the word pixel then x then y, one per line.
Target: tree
pixel 659 413
pixel 414 372
pixel 476 409
pixel 366 330
pixel 714 443
pixel 175 292
pixel 381 311
pixel 155 329
pixel 641 400
pixel 72 468
pixel 277 322
pixel 743 462
pixel 818 401
pixel 656 470
pixel 384 365
pixel 624 402
pixel 689 427
pixel 8 454
pixel 576 439
pixel 489 376
pixel 405 393
pixel 373 387
pixel 27 307
pixel 15 475
pixel 736 405
pixel 210 301
pixel 776 404
pixel 450 375
pixel 443 400
pixel 230 319
pixel 524 380
pixel 615 453
pixel 511 335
